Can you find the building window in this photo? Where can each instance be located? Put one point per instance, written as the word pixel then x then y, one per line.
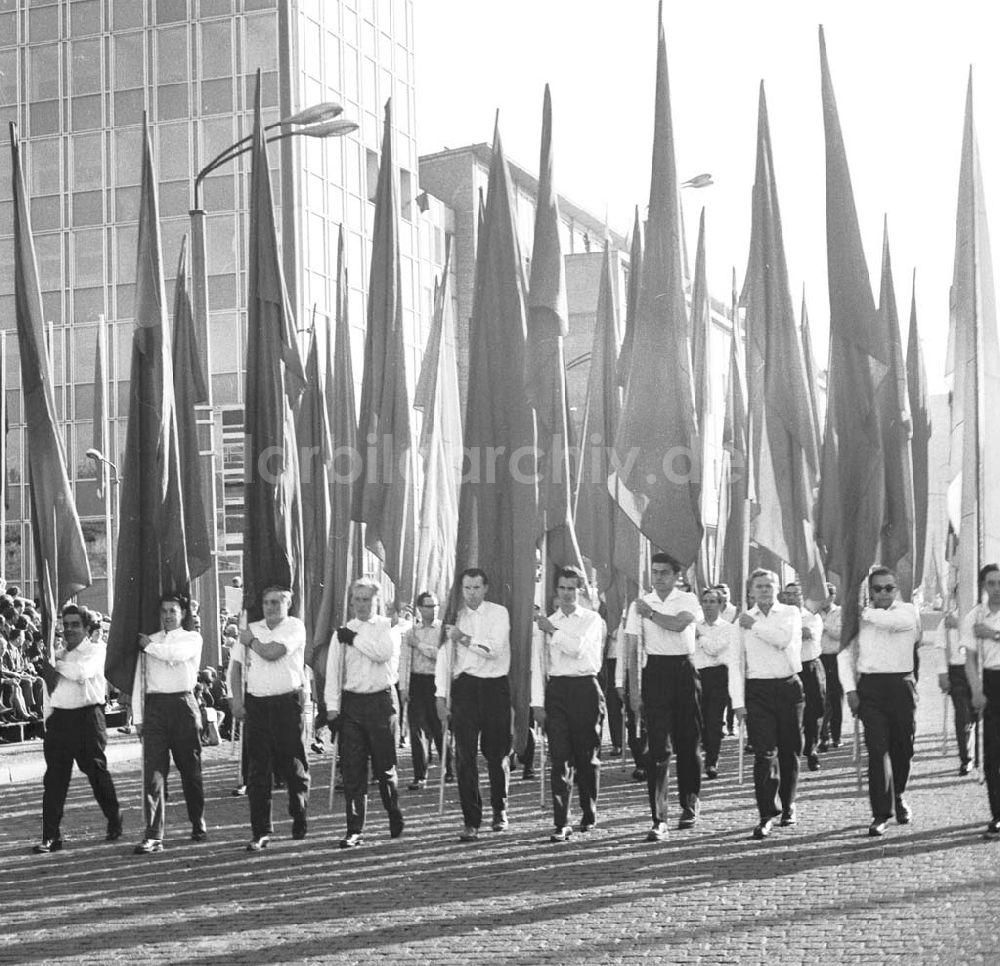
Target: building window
pixel 87 76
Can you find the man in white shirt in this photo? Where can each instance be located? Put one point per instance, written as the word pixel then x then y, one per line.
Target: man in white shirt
pixel 728 611
pixel 812 674
pixel 361 671
pixel 833 712
pixel 981 637
pixel 75 729
pixel 169 719
pixel 567 701
pixel 954 682
pixel 877 673
pixel 268 678
pixel 660 630
pixel 417 664
pixel 476 662
pixel 767 692
pixel 714 639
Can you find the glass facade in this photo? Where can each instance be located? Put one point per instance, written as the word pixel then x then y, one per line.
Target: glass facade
pixel 76 76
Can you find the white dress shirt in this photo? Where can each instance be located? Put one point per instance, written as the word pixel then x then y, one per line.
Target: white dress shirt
pixel 573 651
pixel 171 664
pixel 654 639
pixel 987 650
pixel 265 678
pixel 812 648
pixel 772 649
pixel 419 652
pixel 370 663
pixel 729 613
pixel 884 644
pixel 952 641
pixel 81 676
pixel 713 643
pixel 488 656
pixel 832 621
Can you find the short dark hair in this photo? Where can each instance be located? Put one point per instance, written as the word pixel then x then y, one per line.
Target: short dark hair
pixel 77 610
pixel 570 573
pixel 879 571
pixel 984 572
pixel 422 596
pixel 712 590
pixel 181 600
pixel 764 572
pixel 665 558
pixel 474 572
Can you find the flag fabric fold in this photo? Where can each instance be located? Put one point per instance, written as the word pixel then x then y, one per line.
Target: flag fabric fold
pixel 275 378
pixel 916 385
pixel 152 546
pixel 852 477
pixel 59 547
pixel 631 300
pixel 783 452
pixel 974 373
pixel 701 366
pixel 384 497
pixel 657 445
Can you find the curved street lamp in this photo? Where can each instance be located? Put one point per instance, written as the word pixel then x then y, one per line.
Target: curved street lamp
pixel 103 464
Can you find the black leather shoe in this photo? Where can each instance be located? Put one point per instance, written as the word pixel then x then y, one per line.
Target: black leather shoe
pixel 299 828
pixel 352 840
pixel 259 844
pixel 114 829
pixel 824 746
pixel 396 826
pixel 238 791
pixel 587 825
pixel 877 828
pixel 199 835
pixel 417 785
pixel 148 847
pixel 688 817
pixel 47 845
pixel 561 834
pixel 813 761
pixel 763 828
pixel 789 817
pixel 992 831
pixel 658 833
pixel 904 814
pixel 639 774
pixel 449 778
pixel 500 822
pixel 711 772
pixel 964 769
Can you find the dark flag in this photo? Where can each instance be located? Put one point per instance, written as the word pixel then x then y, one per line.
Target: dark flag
pixel 916 384
pixel 152 549
pixel 60 552
pixel 852 475
pixel 498 501
pixel 272 539
pixel 100 430
pixel 701 365
pixel 631 300
pixel 545 368
pixel 384 498
pixel 600 522
pixel 341 562
pixel 896 545
pixel 810 360
pixel 784 459
pixel 657 445
pixel 974 371
pixel 189 390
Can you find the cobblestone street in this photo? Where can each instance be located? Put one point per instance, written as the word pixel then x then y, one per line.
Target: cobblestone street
pixel 821 892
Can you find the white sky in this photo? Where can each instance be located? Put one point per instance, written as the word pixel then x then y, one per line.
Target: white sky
pixel 899 71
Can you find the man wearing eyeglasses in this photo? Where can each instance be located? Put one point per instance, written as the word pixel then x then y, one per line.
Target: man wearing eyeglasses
pixel 877 672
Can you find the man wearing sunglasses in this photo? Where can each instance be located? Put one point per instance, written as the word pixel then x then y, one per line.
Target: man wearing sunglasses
pixel 877 672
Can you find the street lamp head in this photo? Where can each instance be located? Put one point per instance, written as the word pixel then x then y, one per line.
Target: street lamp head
pixel 329 129
pixel 314 114
pixel 698 181
pixel 94 454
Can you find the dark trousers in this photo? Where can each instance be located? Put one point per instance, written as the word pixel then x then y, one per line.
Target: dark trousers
pixel 965 715
pixel 78 735
pixel 172 726
pixel 814 684
pixel 425 725
pixel 368 728
pixel 991 739
pixel 714 697
pixel 833 712
pixel 671 701
pixel 480 717
pixel 774 727
pixel 273 738
pixel 888 704
pixel 574 721
pixel 611 701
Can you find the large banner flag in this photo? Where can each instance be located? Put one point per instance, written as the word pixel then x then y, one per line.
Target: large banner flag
pixel 852 476
pixel 784 458
pixel 657 447
pixel 275 378
pixel 701 365
pixel 152 547
pixel 916 385
pixel 974 373
pixel 498 501
pixel 60 552
pixel 631 300
pixel 384 498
